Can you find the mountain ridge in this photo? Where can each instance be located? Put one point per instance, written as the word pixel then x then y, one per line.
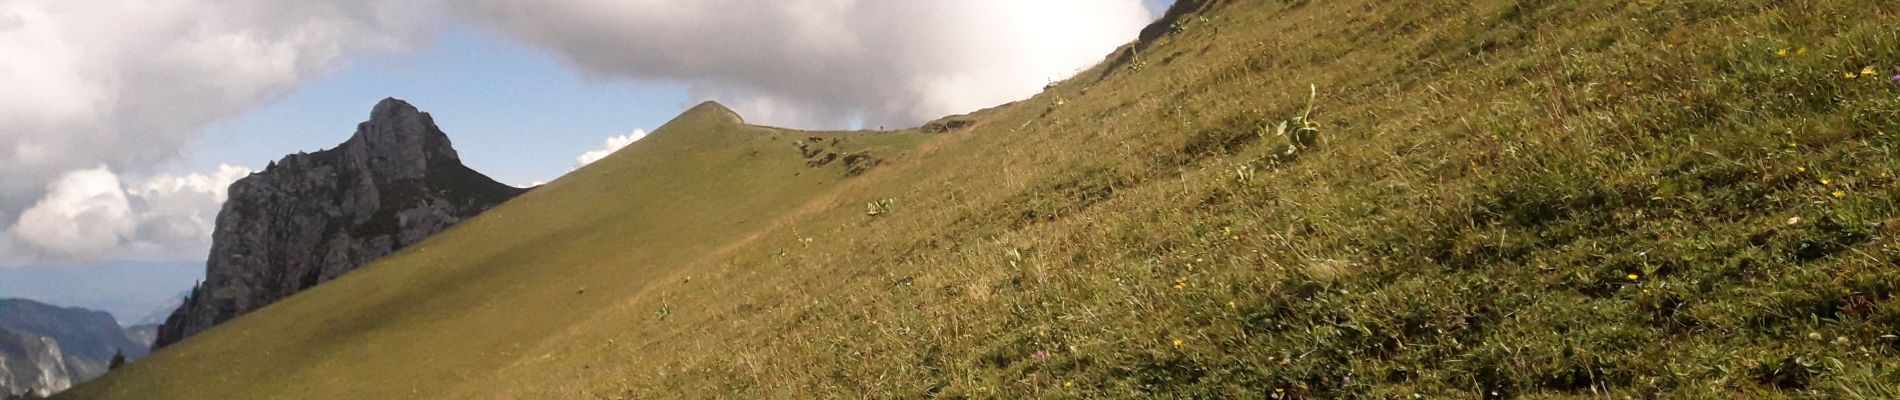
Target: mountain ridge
pixel 31 366
pixel 743 178
pixel 310 218
pixel 1267 199
pixel 59 346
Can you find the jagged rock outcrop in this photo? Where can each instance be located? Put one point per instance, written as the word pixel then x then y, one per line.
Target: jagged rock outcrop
pixel 311 218
pixel 85 339
pixel 31 365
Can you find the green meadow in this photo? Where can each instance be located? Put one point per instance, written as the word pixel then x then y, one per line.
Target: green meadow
pixel 1259 199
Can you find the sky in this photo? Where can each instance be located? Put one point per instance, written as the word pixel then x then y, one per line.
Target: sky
pixel 124 121
pixel 136 293
pixel 512 112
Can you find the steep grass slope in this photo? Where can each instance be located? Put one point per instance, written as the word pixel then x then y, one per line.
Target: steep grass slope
pixel 1485 199
pixel 506 286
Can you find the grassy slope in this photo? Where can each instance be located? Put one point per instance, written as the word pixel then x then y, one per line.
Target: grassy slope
pixel 503 287
pixel 1541 199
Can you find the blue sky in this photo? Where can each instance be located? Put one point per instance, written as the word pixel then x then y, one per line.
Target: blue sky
pixel 514 112
pixel 511 94
pixel 134 292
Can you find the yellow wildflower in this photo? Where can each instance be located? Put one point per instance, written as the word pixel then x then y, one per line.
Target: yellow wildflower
pixel 1179 342
pixel 1839 194
pixel 1801 52
pixel 1232 305
pixel 1825 181
pixel 1800 169
pixel 1781 53
pixel 1849 75
pixel 1634 277
pixel 1869 70
pixel 1068 384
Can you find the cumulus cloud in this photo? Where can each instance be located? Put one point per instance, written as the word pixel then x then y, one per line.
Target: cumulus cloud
pixel 127 84
pixel 98 86
pixel 614 143
pixel 91 214
pixel 85 212
pixel 177 213
pixel 829 63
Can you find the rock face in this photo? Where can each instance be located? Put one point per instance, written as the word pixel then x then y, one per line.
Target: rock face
pixel 85 339
pixel 31 365
pixel 311 218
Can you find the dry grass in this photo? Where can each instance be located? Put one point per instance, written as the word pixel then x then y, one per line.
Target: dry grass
pixel 1547 199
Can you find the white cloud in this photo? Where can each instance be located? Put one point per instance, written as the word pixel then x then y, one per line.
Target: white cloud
pixel 828 63
pixel 614 143
pixel 127 84
pixel 84 213
pixel 97 86
pixel 178 212
pixel 91 214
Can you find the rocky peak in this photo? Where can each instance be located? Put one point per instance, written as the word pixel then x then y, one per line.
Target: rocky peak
pixel 398 142
pixel 31 366
pixel 87 338
pixel 310 218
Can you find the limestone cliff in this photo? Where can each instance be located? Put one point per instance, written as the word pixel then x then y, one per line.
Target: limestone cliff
pixel 311 218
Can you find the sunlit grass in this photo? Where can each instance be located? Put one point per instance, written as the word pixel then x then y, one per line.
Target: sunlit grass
pixel 1548 199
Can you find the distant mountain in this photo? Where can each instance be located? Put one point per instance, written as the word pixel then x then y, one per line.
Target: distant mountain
pixel 1349 199
pixel 132 291
pixel 31 365
pixel 155 315
pixel 82 341
pixel 311 218
pixel 143 334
